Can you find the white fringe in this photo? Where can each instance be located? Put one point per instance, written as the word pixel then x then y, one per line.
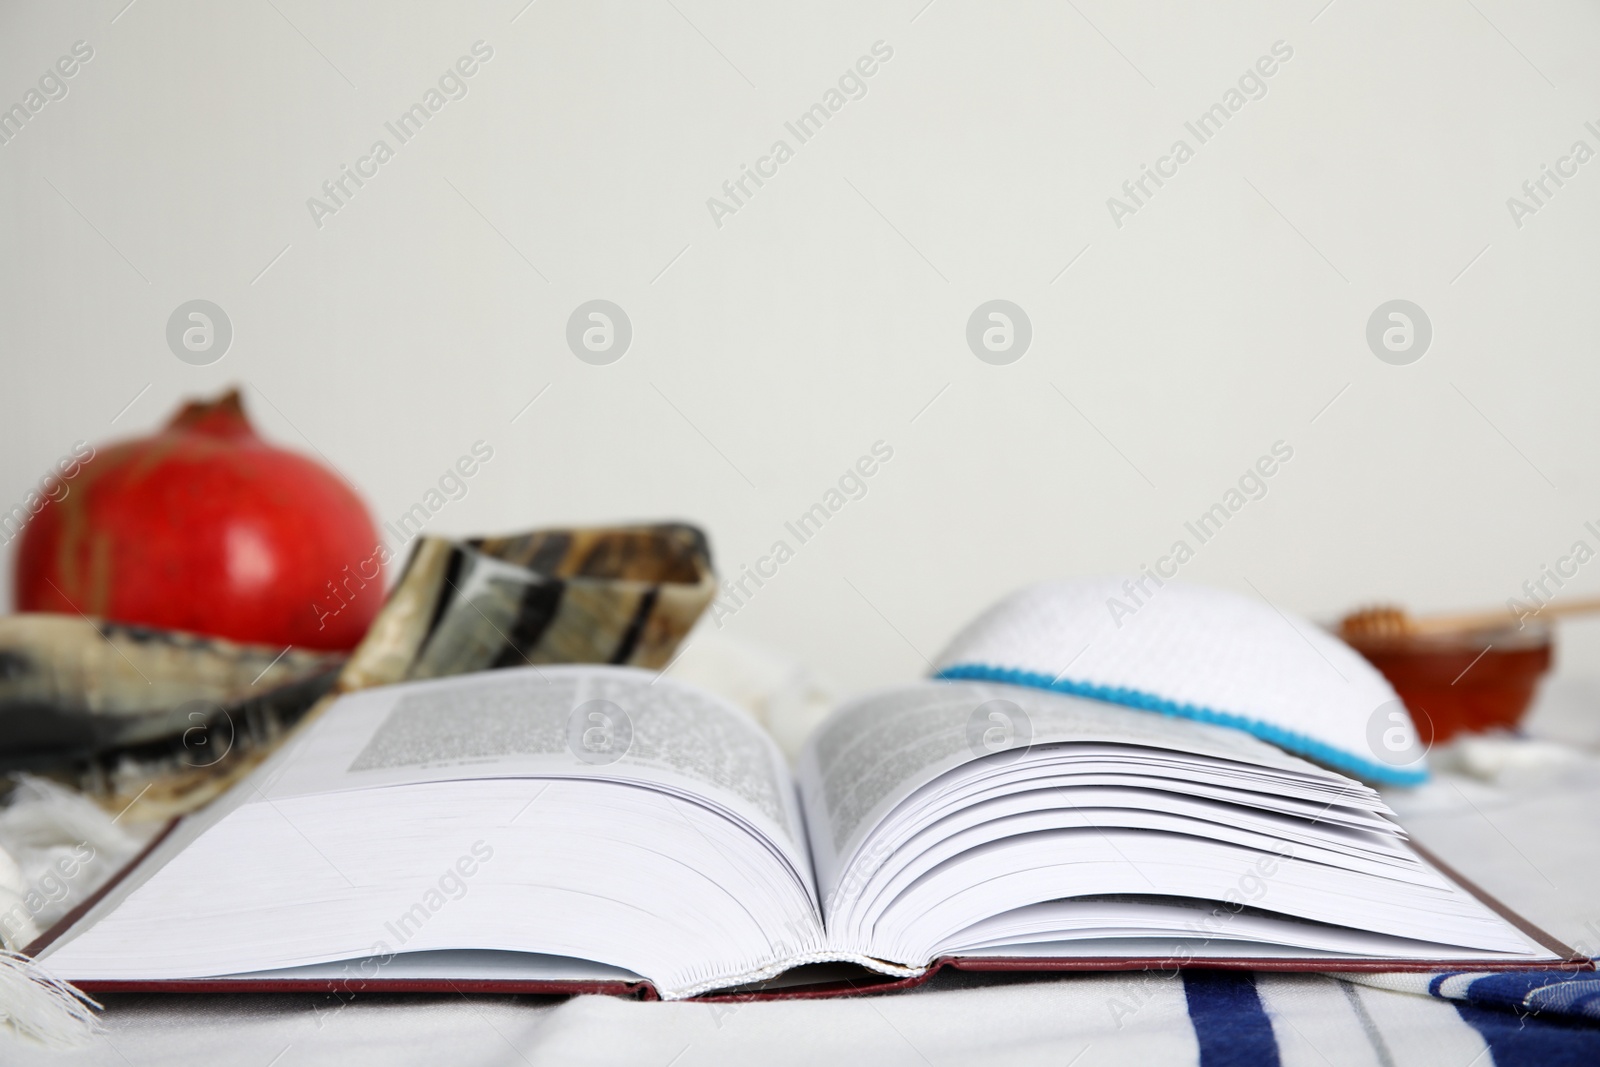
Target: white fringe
pixel 17 927
pixel 40 1006
pixel 61 847
pixel 42 827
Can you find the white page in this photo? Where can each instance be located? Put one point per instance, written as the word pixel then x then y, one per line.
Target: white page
pixel 1078 766
pixel 396 754
pixel 1058 922
pixel 536 722
pixel 874 752
pixel 1128 808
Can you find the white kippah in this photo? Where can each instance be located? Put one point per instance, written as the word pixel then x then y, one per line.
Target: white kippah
pixel 1200 653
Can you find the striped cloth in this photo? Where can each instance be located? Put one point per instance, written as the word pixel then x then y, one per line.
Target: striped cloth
pixel 1571 995
pixel 1546 1018
pixel 1201 1018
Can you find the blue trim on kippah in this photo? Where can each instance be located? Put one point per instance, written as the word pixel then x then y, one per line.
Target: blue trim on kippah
pixel 1135 698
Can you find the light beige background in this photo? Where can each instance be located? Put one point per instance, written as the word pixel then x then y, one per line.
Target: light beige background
pixel 771 352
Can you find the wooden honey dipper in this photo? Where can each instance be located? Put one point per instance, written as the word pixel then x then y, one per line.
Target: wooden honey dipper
pixel 1386 621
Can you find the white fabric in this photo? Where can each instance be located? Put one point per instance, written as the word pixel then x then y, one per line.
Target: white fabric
pixel 1044 1022
pixel 56 847
pixel 1319 1021
pixel 1190 645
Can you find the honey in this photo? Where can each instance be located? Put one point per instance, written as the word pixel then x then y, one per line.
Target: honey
pixel 1463 683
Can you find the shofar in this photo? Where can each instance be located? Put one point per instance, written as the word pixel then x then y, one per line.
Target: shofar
pixel 91 703
pixel 71 686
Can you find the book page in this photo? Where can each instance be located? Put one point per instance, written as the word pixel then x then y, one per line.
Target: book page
pixel 632 821
pixel 613 723
pixel 874 752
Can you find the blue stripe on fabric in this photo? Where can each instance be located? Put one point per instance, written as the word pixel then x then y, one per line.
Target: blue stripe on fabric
pixel 1532 1041
pixel 1230 1024
pixel 1136 698
pixel 1562 992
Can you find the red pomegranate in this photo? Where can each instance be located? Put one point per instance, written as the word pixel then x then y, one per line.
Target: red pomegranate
pixel 206 527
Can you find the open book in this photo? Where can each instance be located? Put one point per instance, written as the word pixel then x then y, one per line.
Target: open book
pixel 608 828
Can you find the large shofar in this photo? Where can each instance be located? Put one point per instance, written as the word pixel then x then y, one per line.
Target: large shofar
pixel 616 595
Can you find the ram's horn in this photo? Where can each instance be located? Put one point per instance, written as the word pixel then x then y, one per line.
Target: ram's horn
pixel 71 686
